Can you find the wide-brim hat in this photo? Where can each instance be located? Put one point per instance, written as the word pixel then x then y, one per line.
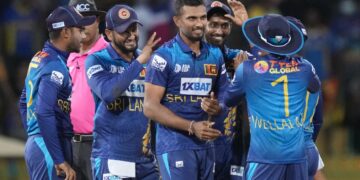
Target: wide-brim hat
pixel 273 33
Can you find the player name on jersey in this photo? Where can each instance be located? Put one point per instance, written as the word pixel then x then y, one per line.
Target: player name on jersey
pixel 276 125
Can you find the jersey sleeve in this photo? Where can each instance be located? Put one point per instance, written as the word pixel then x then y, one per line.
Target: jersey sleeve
pixel 318 118
pixel 106 85
pixel 157 70
pixel 236 89
pixel 23 108
pixel 314 81
pixel 48 90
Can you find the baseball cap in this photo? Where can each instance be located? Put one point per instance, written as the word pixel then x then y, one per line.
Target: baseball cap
pixel 274 33
pixel 299 24
pixel 86 7
pixel 217 7
pixel 120 17
pixel 67 16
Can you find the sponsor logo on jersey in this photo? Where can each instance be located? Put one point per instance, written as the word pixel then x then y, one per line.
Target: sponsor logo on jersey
pixel 135 89
pixel 280 67
pixel 236 170
pixel 116 69
pixel 93 70
pixel 210 69
pixel 195 86
pixel 57 77
pixel 158 63
pixel 261 67
pixel 181 68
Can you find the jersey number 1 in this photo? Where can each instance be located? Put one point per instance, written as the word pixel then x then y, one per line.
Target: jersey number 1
pixel 284 79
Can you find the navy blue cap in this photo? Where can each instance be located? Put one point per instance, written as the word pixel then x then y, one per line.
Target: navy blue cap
pixel 274 33
pixel 86 7
pixel 120 17
pixel 299 24
pixel 67 16
pixel 217 7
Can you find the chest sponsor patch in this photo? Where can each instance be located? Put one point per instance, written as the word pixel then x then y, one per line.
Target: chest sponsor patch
pixel 93 70
pixel 57 77
pixel 195 86
pixel 135 89
pixel 158 63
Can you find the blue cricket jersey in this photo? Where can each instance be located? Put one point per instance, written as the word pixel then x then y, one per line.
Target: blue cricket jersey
pixel 186 79
pixel 311 101
pixel 45 100
pixel 118 88
pixel 275 90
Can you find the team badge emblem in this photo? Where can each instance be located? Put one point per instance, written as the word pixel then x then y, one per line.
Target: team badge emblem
pixel 210 69
pixel 124 13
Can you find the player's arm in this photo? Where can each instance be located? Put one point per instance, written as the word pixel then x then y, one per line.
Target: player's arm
pixel 109 86
pixel 156 79
pixel 48 91
pixel 23 108
pixel 154 110
pixel 106 85
pixel 314 81
pixel 318 117
pixel 239 10
pixel 235 90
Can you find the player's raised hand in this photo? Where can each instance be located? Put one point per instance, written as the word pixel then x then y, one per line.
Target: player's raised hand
pixel 210 105
pixel 148 48
pixel 204 131
pixel 239 10
pixel 240 57
pixel 65 168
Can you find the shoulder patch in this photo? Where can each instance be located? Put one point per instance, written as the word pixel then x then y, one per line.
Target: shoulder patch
pixel 57 77
pixel 158 63
pixel 93 70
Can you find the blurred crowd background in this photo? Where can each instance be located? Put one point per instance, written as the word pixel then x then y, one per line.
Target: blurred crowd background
pixel 333 47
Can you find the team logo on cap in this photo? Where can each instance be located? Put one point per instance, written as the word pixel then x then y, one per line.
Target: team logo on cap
pixel 261 67
pixel 124 13
pixel 216 4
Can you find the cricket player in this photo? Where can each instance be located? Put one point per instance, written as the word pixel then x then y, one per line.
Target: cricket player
pixel 184 77
pixel 116 77
pixel 275 89
pixel 312 119
pixel 82 118
pixel 220 20
pixel 46 98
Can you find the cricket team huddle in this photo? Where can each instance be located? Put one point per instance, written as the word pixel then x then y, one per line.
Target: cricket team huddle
pixel 95 106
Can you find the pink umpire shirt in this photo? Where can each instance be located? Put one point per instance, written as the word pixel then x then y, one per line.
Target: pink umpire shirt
pixel 82 102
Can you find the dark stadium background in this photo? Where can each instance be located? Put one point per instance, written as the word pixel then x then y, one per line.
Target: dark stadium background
pixel 333 47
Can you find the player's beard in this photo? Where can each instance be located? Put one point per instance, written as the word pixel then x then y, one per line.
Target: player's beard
pixel 122 47
pixel 192 37
pixel 74 46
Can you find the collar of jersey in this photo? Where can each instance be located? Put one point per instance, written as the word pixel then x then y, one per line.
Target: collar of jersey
pixel 114 55
pixel 186 49
pixel 63 54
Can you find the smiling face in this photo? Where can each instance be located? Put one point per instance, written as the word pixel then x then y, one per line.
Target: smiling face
pixel 191 22
pixel 126 41
pixel 217 29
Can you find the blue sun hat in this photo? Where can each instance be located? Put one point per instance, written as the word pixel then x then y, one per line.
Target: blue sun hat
pixel 274 33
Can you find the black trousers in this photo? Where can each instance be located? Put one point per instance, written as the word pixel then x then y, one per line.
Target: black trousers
pixel 81 159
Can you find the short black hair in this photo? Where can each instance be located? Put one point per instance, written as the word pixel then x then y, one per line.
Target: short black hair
pixel 180 3
pixel 53 35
